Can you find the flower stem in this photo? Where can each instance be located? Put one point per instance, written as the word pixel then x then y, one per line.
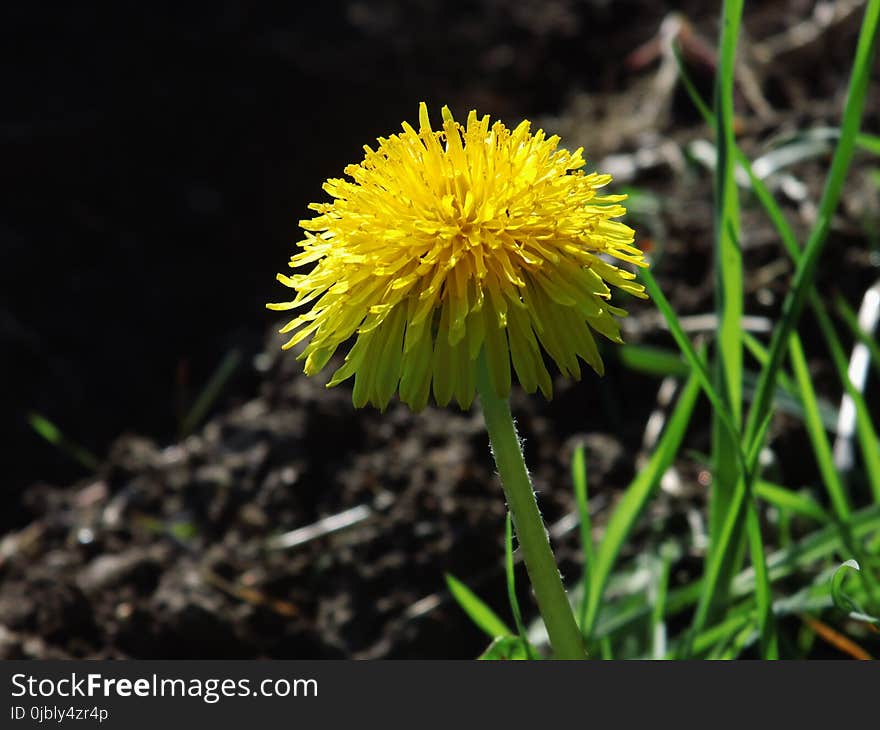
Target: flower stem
pixel 565 637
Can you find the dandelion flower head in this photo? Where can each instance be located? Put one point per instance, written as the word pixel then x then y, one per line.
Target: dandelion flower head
pixel 443 244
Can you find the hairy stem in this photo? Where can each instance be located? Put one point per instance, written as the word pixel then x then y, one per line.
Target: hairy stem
pixel 565 637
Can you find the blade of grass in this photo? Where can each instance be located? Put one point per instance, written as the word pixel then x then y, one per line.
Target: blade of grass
pixel 658 614
pixel 725 551
pixel 852 321
pixel 816 431
pixel 697 363
pixel 505 648
pixel 736 644
pixel 483 617
pixel 51 433
pixel 510 571
pixel 579 479
pixel 843 600
pixel 663 362
pixel 788 389
pixel 728 263
pixel 721 633
pixel 869 142
pixel 210 392
pixel 759 352
pixel 635 497
pixel 763 593
pixel 785 499
pixel 728 301
pixel 725 542
pixel 652 360
pixel 867 435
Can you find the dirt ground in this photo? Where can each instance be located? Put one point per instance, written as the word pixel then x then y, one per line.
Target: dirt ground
pixel 160 169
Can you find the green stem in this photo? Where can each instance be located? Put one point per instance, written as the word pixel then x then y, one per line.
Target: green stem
pixel 565 637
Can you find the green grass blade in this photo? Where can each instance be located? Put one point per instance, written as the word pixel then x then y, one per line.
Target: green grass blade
pixel 720 634
pixel 509 569
pixel 816 432
pixel 51 433
pixel 867 435
pixel 225 370
pixel 658 613
pixel 852 321
pixel 728 261
pixel 869 143
pixel 636 496
pixel 579 479
pixel 785 499
pixel 483 617
pixel 505 648
pixel 652 360
pixel 697 363
pixel 714 578
pixel 843 600
pixel 759 352
pixel 763 593
pixel 728 362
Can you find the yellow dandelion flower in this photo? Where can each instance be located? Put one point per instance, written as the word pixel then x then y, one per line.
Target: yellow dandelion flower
pixel 443 244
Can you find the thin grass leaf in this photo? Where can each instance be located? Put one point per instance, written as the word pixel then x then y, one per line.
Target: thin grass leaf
pixel 787 398
pixel 728 262
pixel 852 321
pixel 867 435
pixel 763 593
pixel 815 430
pixel 785 499
pixel 211 392
pixel 843 600
pixel 759 352
pixel 509 569
pixel 664 363
pixel 51 433
pixel 579 480
pixel 726 533
pixel 658 614
pixel 653 360
pixel 697 363
pixel 720 634
pixel 506 648
pixel 738 643
pixel 755 452
pixel 483 617
pixel 868 142
pixel 728 363
pixel 636 496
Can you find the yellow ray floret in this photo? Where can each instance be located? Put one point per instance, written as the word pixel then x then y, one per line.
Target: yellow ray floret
pixel 443 244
